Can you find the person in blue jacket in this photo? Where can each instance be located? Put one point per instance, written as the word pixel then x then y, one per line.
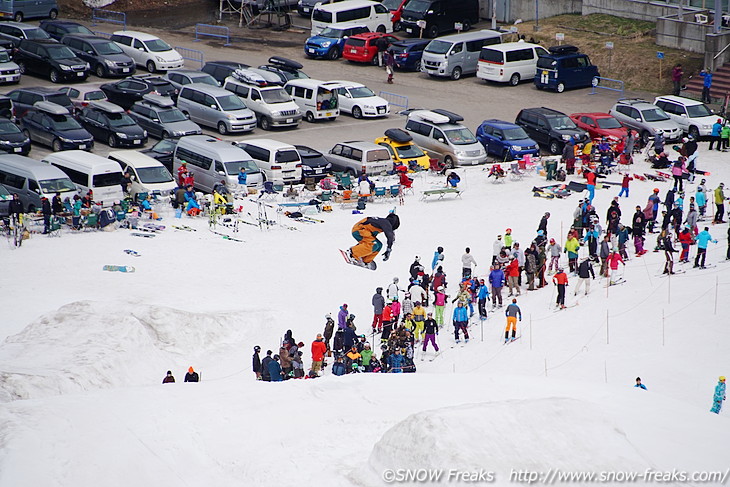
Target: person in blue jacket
pixel 275 370
pixel 350 338
pixel 719 395
pixel 461 318
pixel 482 297
pixel 703 239
pixel 438 258
pixel 706 85
pixel 496 280
pixel 639 384
pixel 338 368
pixel 396 362
pixel 715 135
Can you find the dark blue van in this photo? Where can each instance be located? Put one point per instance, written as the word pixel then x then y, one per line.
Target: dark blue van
pixel 407 53
pixel 565 67
pixel 506 140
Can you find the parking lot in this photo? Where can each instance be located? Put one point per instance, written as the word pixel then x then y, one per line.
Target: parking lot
pixel 469 97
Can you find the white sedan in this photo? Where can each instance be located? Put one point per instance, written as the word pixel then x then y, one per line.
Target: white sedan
pixel 360 101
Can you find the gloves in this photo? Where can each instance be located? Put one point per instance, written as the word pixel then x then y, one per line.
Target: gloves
pixel 386 254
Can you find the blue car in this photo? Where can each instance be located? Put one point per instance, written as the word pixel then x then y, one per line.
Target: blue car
pixel 330 42
pixel 408 52
pixel 52 125
pixel 506 140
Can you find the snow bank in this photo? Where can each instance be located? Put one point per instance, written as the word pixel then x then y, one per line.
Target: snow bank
pixel 87 345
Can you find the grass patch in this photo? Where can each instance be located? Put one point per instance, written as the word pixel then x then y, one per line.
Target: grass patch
pixel 633 58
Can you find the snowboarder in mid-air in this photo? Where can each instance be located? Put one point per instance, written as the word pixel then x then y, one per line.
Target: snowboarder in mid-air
pixel 365 232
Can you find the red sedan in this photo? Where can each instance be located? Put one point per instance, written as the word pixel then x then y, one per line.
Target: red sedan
pixel 599 125
pixel 361 48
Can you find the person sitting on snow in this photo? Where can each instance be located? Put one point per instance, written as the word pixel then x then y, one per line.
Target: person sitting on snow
pixel 453 179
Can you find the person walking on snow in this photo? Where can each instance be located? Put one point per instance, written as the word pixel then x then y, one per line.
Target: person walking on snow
pixel 368 246
pixel 460 319
pixel 703 239
pixel 431 329
pixel 638 223
pixel 715 135
pixel 467 260
pixel 439 303
pixel 256 363
pixel 192 376
pixel 560 279
pixel 342 317
pixel 554 250
pixel 666 243
pixel 719 395
pixel 571 248
pixel 625 185
pixel 544 223
pixel 512 313
pixel 319 348
pixel 585 274
pixel 419 316
pixel 508 238
pixel 482 297
pixel 590 184
pixel 497 247
pixel 438 258
pixel 720 204
pixel 496 281
pixel 378 303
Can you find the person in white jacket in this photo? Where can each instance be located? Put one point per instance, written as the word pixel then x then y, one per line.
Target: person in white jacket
pixel 553 251
pixel 497 247
pixel 393 289
pixel 467 260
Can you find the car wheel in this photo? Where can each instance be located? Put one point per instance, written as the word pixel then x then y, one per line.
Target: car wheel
pixel 374 60
pixel 53 14
pixel 418 65
pixel 381 29
pixel 540 87
pixel 556 147
pixel 265 123
pixel 31 208
pixel 506 155
pixel 514 80
pixel 165 135
pixel 465 25
pixel 222 128
pixel 432 31
pixel 397 27
pixel 21 67
pixel 56 145
pixel 100 71
pixel 645 137
pixel 310 117
pixel 448 162
pixel 595 81
pixel 333 53
pixel 53 76
pixel 151 66
pixel 18 17
pixel 356 112
pixel 112 140
pixel 352 173
pixel 456 73
pixel 560 88
pixel 694 132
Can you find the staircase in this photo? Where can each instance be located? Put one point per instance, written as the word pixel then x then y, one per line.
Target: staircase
pixel 720 84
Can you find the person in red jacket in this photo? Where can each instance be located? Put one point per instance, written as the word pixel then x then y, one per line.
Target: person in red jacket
pixel 182 172
pixel 319 348
pixel 685 240
pixel 512 272
pixel 613 261
pixel 387 321
pixel 560 279
pixel 590 184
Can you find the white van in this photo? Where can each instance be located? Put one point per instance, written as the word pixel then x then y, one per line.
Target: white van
pixel 90 172
pixel 455 55
pixel 33 180
pixel 316 99
pixel 147 173
pixel 510 62
pixel 373 15
pixel 280 162
pixel 212 160
pixel 271 104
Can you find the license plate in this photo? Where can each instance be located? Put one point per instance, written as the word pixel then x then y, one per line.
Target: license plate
pixel 17 149
pixel 305 9
pixel 311 51
pixel 289 120
pixel 328 114
pixel 409 30
pixel 125 70
pixel 318 170
pixel 137 141
pixel 545 73
pixel 82 146
pixel 80 74
pixel 354 51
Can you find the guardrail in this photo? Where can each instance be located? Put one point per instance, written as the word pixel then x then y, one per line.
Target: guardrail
pixel 394 99
pixel 219 31
pixel 191 55
pixel 109 16
pixel 611 85
pixel 102 34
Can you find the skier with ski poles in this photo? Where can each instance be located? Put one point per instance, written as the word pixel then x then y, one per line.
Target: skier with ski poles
pixel 512 313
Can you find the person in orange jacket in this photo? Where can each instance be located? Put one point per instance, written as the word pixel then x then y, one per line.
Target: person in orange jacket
pixel 387 321
pixel 560 279
pixel 319 348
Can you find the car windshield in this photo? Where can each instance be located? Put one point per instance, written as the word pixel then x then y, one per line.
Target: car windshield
pixel 290 75
pixel 78 29
pixel 172 115
pixel 275 96
pixel 8 127
pixel 108 48
pixel 230 102
pixel 419 6
pixel 153 175
pixel 654 115
pixel 36 34
pixel 59 52
pixel 165 146
pixel 206 79
pixel 234 167
pixel 333 33
pixel 157 45
pixel 608 123
pixel 4 194
pixel 108 179
pixel 697 111
pixel 117 120
pixel 408 151
pixel 95 95
pixel 4 57
pixel 462 136
pixel 517 133
pixel 438 47
pixel 361 92
pixel 60 185
pixel 63 122
pixel 546 63
pixel 561 123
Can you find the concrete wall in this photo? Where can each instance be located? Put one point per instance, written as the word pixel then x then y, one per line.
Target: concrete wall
pixel 690 36
pixel 525 9
pixel 714 43
pixel 631 9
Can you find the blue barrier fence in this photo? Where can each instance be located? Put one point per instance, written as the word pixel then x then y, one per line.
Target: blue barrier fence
pixel 191 55
pixel 109 16
pixel 219 31
pixel 394 99
pixel 607 84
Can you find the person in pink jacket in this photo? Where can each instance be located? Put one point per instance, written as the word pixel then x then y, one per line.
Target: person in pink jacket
pixel 614 259
pixel 678 170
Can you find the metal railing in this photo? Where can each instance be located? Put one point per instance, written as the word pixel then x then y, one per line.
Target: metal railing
pixel 611 85
pixel 109 16
pixel 191 55
pixel 220 31
pixel 395 99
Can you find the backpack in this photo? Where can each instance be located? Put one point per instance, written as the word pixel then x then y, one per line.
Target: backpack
pixel 560 175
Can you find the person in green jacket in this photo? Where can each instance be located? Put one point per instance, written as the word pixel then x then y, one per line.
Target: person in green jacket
pixel 366 355
pixel 720 204
pixel 571 248
pixel 725 136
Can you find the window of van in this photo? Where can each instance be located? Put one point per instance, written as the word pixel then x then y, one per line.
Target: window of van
pixel 322 16
pixel 378 155
pixel 238 89
pixel 419 6
pixel 275 96
pixel 475 46
pixel 546 63
pixel 492 56
pixel 462 136
pixel 76 176
pixel 33 185
pixel 60 185
pixel 230 102
pixel 192 158
pixel 520 55
pixel 571 62
pixel 151 175
pixel 418 127
pixel 107 179
pixel 286 156
pixel 458 48
pixel 353 14
pixel 12 180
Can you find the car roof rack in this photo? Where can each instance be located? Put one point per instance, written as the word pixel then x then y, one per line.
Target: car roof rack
pixel 159 100
pixel 398 135
pixel 453 117
pixel 428 116
pixel 249 77
pixel 50 107
pixel 282 62
pixel 564 49
pixel 106 106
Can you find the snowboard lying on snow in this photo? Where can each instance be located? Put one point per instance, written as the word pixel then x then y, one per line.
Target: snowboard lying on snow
pixel 119 268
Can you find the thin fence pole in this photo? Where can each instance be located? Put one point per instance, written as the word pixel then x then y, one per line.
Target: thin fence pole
pixel 530 331
pixel 663 327
pixel 605 371
pixel 717 284
pixel 606 327
pixel 669 288
pixel 545 367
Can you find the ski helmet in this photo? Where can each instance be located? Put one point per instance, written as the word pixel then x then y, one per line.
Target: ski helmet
pixel 395 279
pixel 656 190
pixel 257 349
pixel 328 316
pixel 394 220
pixel 722 378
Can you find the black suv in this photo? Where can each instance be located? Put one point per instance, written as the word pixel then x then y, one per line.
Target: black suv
pixel 550 128
pixel 220 70
pixel 105 57
pixel 49 58
pixel 59 28
pixel 111 124
pixel 128 91
pixel 24 99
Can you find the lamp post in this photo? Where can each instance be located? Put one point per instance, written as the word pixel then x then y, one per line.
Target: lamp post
pixel 537 16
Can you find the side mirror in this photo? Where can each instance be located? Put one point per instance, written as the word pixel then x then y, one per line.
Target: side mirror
pixel 140 49
pixel 155 119
pixel 214 107
pixel 638 120
pixel 440 139
pixel 430 12
pixel 221 173
pixel 683 115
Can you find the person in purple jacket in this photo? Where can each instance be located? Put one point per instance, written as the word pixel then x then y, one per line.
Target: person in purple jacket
pixel 342 317
pixel 496 280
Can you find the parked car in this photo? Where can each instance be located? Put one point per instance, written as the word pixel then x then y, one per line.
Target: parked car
pixel 130 90
pixel 396 11
pixel 565 67
pixel 220 70
pixel 599 125
pixel 694 117
pixel 182 77
pixel 440 16
pixel 17 31
pixel 358 157
pixel 161 118
pixel 12 139
pixel 19 10
pixel 402 149
pixel 9 71
pixel 148 51
pixel 7 109
pixel 359 101
pixel 407 53
pixel 25 98
pixel 361 48
pixel 57 29
pixel 314 163
pixel 81 95
pixel 550 128
pixel 163 151
pixel 305 7
pixel 646 118
pixel 147 173
pixel 52 125
pixel 509 62
pixel 506 141
pixel 331 41
pixel 284 69
pixel 111 124
pixel 273 106
pixel 216 107
pixel 443 135
pixel 50 58
pixel 105 57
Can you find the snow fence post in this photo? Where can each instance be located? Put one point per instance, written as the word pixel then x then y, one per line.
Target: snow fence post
pixel 606 327
pixel 530 331
pixel 717 283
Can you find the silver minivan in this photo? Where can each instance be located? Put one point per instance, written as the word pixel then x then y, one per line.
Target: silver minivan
pixel 215 107
pixel 273 106
pixel 441 133
pixel 455 55
pixel 33 180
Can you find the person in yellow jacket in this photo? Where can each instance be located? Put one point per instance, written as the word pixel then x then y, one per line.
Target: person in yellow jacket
pixel 571 248
pixel 720 204
pixel 419 317
pixel 408 322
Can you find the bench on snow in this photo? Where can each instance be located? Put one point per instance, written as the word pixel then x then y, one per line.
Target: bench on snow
pixel 441 192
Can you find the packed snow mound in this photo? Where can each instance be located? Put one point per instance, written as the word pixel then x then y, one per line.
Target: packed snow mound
pixel 98 3
pixel 87 345
pixel 505 435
